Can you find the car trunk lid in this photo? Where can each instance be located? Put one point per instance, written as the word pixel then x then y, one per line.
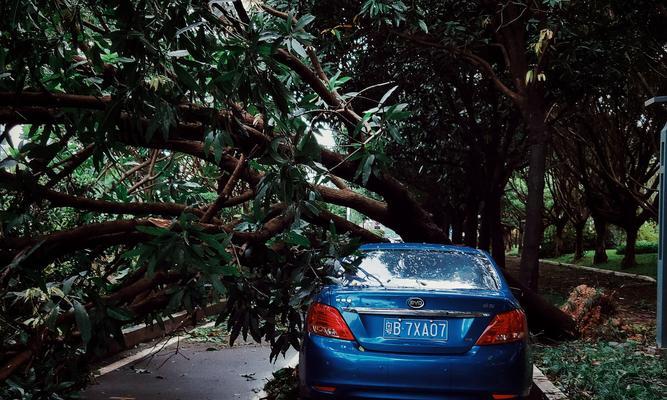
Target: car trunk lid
pixel 409 321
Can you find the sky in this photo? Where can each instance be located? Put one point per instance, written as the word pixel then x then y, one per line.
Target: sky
pixel 325 138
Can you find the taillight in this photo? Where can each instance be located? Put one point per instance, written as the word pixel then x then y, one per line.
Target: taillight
pixel 325 320
pixel 506 327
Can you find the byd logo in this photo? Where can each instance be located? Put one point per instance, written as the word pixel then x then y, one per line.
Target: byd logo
pixel 415 302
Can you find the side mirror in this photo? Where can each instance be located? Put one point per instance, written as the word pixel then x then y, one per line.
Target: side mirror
pixel 517 292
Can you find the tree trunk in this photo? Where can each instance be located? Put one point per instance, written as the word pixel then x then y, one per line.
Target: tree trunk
pixel 485 227
pixel 471 223
pixel 579 241
pixel 629 260
pixel 457 228
pixel 537 131
pixel 446 222
pixel 600 241
pixel 498 240
pixel 543 317
pixel 558 240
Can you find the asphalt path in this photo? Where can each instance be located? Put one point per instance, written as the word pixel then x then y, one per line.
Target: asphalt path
pixel 185 370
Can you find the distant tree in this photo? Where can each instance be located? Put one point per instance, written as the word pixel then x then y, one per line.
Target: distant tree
pixel 567 192
pixel 613 145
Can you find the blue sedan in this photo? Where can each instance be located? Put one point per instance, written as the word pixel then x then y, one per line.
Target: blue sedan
pixel 416 321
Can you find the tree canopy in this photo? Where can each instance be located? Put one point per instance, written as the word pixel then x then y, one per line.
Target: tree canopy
pixel 157 156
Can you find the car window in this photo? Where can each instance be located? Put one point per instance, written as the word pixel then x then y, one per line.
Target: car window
pixel 425 269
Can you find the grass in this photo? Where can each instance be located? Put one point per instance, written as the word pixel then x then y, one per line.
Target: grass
pixel 646 263
pixel 604 370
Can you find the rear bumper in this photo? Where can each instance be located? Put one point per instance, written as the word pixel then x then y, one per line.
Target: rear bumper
pixel 483 370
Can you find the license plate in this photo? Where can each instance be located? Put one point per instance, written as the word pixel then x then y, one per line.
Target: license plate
pixel 415 328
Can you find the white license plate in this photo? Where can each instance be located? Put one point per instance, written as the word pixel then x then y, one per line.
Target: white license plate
pixel 415 328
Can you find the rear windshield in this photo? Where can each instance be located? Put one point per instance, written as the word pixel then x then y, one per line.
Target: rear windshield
pixel 420 269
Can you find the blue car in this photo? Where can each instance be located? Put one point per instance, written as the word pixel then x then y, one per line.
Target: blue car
pixel 416 321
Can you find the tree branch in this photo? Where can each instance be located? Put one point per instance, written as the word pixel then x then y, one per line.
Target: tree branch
pixel 71 164
pixel 471 58
pixel 222 198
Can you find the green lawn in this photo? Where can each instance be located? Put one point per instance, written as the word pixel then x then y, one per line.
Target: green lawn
pixel 646 263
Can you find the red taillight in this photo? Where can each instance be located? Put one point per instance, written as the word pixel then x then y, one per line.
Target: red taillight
pixel 325 320
pixel 507 327
pixel 326 389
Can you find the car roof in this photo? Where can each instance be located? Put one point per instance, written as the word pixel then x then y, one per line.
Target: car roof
pixel 418 246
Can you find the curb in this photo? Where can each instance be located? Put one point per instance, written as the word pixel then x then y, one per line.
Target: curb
pixel 601 271
pixel 142 333
pixel 548 389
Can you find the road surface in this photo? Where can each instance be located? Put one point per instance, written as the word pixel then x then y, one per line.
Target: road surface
pixel 196 371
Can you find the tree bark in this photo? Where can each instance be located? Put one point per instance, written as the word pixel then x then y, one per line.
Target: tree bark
pixel 457 228
pixel 558 239
pixel 497 234
pixel 486 226
pixel 543 317
pixel 629 260
pixel 600 241
pixel 579 241
pixel 470 225
pixel 537 132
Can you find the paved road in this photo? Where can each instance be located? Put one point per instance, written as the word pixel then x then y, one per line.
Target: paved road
pixel 192 373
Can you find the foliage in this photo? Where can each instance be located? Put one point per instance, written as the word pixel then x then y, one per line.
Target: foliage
pixel 648 232
pixel 593 310
pixel 283 386
pixel 547 250
pixel 604 370
pixel 642 247
pixel 166 157
pixel 214 334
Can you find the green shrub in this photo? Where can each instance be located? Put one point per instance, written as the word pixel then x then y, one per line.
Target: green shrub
pixel 648 232
pixel 604 370
pixel 642 247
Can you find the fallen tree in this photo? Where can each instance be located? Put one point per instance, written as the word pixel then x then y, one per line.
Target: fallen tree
pixel 154 177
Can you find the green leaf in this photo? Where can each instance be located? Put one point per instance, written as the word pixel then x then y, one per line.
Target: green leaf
pixel 308 146
pixel 217 284
pixel 299 49
pixel 67 285
pixel 529 76
pixel 120 314
pixel 152 230
pixel 82 321
pixel 274 150
pixel 186 79
pixel 422 25
pixel 297 239
pixel 303 21
pixel 367 168
pixel 386 96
